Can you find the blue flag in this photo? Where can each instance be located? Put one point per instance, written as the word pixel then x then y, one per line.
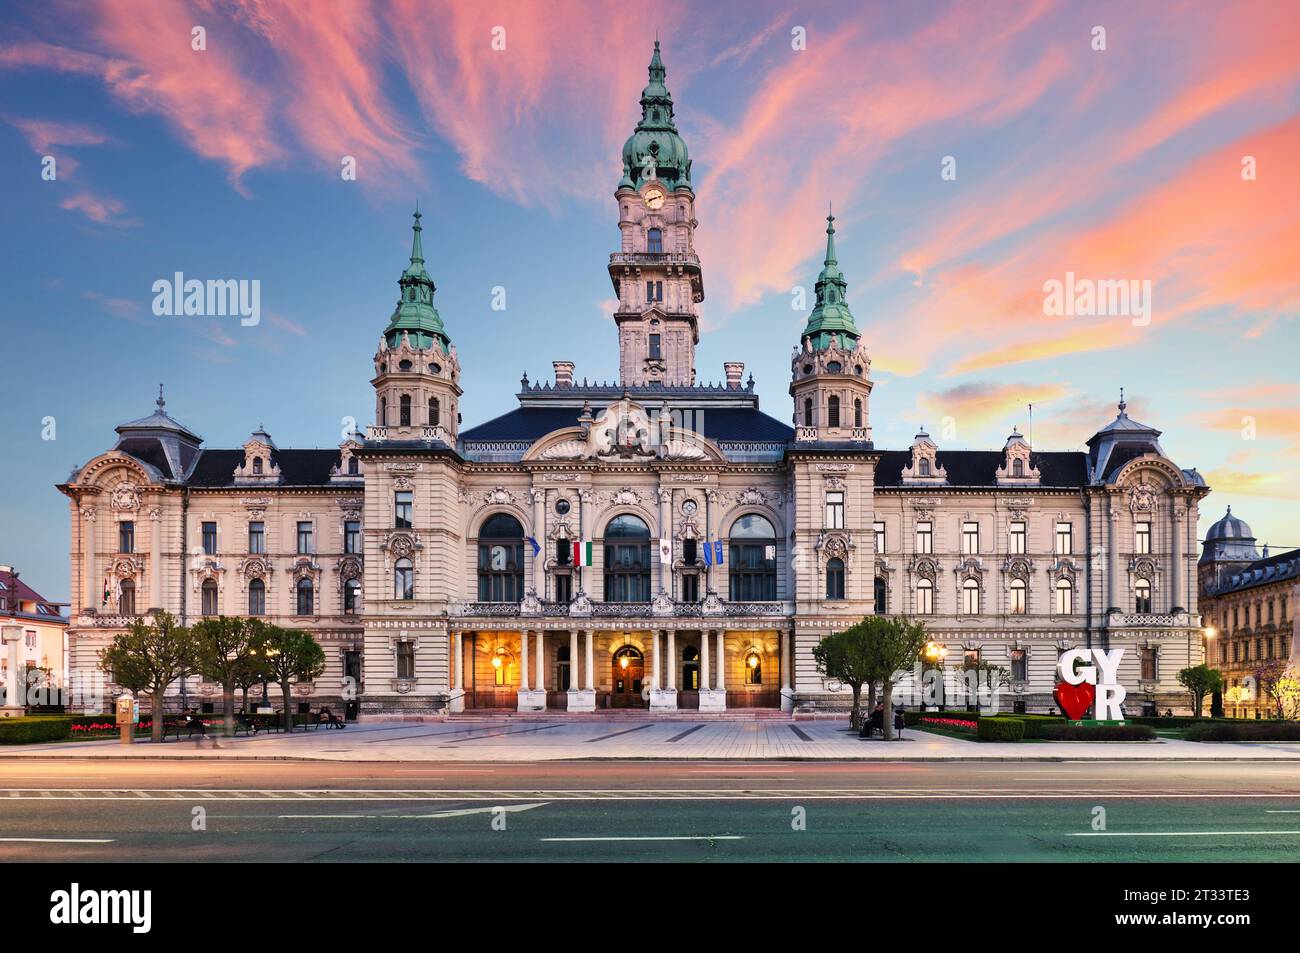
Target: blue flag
pixel 536 546
pixel 717 552
pixel 708 553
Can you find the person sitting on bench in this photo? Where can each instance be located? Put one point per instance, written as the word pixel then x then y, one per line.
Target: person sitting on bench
pixel 328 717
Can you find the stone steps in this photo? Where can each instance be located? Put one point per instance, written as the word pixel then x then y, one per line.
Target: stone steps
pixel 613 715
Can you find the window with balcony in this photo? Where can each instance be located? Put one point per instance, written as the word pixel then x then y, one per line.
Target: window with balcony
pixel 351 596
pixel 881 596
pixel 924 597
pixel 208 598
pixel 563 587
pixel 691 587
pixel 1018 604
pixel 627 560
pixel 1019 665
pixel 433 411
pixel 306 597
pixel 807 412
pixel 1142 597
pixel 654 241
pixel 1150 664
pixel 970 597
pixel 126 598
pixel 406 660
pixel 1064 597
pixel 501 559
pixel 753 559
pixel 404 410
pixel 857 412
pixel 403 579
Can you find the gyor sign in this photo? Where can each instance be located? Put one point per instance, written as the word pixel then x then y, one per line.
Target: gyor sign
pixel 1084 685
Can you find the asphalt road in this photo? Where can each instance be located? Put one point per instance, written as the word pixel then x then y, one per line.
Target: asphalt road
pixel 60 811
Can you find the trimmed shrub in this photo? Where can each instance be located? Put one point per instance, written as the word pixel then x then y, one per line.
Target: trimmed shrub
pixel 1187 721
pixel 1001 729
pixel 1242 730
pixel 1068 732
pixel 28 731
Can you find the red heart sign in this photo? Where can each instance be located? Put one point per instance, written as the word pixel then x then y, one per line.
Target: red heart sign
pixel 1075 699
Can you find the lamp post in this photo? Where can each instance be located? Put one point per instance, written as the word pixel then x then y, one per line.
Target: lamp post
pixel 13 707
pixel 935 654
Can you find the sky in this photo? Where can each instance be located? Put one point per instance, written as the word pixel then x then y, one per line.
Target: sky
pixel 974 153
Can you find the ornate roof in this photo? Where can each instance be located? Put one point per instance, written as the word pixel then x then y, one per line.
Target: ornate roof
pixel 415 314
pixel 655 141
pixel 830 315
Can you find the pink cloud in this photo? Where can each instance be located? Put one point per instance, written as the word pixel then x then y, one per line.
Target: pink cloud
pixel 101 209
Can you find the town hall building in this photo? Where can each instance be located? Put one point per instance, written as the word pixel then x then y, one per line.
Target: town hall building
pixel 652 542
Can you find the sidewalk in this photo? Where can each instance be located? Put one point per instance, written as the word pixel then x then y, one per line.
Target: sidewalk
pixel 559 740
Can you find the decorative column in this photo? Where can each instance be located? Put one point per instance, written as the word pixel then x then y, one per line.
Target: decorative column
pixel 529 699
pixel 1176 573
pixel 721 680
pixel 13 706
pixel 523 661
pixel 1112 557
pixel 156 600
pixel 91 602
pixel 705 682
pixel 581 699
pixel 666 697
pixel 457 698
pixel 712 698
pixel 654 661
pixel 787 689
pixel 541 664
pixel 536 579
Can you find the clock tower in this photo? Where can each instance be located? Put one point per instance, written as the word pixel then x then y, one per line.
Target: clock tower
pixel 655 272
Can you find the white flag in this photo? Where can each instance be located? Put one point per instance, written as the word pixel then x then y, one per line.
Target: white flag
pixel 665 550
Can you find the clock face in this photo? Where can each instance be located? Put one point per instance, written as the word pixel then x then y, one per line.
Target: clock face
pixel 654 199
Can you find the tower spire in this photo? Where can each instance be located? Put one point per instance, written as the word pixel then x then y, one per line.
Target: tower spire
pixel 830 317
pixel 417 247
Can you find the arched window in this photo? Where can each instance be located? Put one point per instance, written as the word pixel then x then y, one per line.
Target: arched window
pixel 351 595
pixel 627 560
pixel 257 464
pixel 753 559
pixel 807 412
pixel 209 597
pixel 256 597
pixel 833 412
pixel 306 597
pixel 835 578
pixel 881 596
pixel 690 669
pixel 1142 596
pixel 433 411
pixel 970 597
pixel 404 411
pixel 925 466
pixel 857 412
pixel 924 597
pixel 1019 596
pixel 1064 597
pixel 1017 467
pixel 501 559
pixel 403 579
pixel 654 241
pixel 126 600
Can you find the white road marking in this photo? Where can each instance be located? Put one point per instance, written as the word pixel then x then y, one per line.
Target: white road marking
pixel 570 840
pixel 1173 833
pixel 510 809
pixel 53 840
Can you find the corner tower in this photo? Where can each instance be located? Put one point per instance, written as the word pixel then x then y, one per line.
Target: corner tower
pixel 417 375
pixel 830 370
pixel 656 273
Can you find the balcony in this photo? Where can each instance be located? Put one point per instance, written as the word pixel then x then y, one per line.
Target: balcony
pixel 714 608
pixel 655 258
pixel 1148 620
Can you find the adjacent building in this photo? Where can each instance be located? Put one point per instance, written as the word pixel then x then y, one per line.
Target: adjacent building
pixel 651 541
pixel 36 656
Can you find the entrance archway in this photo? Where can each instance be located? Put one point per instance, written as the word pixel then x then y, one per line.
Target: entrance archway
pixel 628 678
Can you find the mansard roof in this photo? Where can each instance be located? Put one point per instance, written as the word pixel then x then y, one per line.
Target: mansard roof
pixel 216 468
pixel 1262 572
pixel 720 423
pixel 980 468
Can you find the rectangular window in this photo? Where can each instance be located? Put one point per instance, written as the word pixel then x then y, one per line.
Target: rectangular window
pixel 879 530
pixel 352 536
pixel 304 537
pixel 971 657
pixel 1017 537
pixel 256 538
pixel 403 507
pixel 1064 539
pixel 126 537
pixel 563 588
pixel 834 509
pixel 406 660
pixel 970 538
pixel 690 587
pixel 1142 538
pixel 210 538
pixel 656 346
pixel 1150 665
pixel 924 597
pixel 1019 665
pixel 924 536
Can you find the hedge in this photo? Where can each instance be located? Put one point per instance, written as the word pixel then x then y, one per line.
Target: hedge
pixel 1187 721
pixel 1001 729
pixel 27 731
pixel 1068 732
pixel 1242 730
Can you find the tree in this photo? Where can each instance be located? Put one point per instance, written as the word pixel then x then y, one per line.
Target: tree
pixel 1200 680
pixel 1280 684
pixel 290 654
pixel 254 671
pixel 995 677
pixel 147 658
pixel 846 657
pixel 896 642
pixel 225 647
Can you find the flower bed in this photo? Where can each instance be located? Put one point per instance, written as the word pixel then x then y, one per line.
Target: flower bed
pixel 960 724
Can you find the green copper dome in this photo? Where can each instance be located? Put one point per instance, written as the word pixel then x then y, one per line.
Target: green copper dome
pixel 831 315
pixel 415 313
pixel 655 140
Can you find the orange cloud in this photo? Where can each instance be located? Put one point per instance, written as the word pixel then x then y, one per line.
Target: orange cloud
pixel 980 407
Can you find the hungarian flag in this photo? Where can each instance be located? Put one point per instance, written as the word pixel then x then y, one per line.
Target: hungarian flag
pixel 106 592
pixel 582 553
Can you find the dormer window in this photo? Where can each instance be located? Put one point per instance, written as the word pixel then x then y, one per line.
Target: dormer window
pixel 1018 467
pixel 257 466
pixel 353 469
pixel 834 367
pixel 925 467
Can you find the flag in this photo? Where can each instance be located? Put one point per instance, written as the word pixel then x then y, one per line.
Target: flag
pixel 582 553
pixel 708 553
pixel 769 552
pixel 665 550
pixel 717 552
pixel 536 546
pixel 105 600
